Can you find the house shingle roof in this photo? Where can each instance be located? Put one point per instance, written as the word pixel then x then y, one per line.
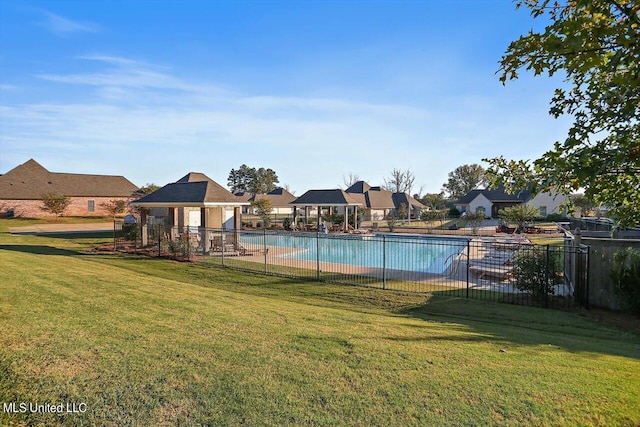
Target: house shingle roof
pixel 377 198
pixel 496 195
pixel 278 197
pixel 30 181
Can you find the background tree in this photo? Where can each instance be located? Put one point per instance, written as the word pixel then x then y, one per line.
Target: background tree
pixel 474 220
pixel 400 181
pixel 252 180
pixel 403 212
pixel 241 178
pixel 434 201
pixel 114 207
pixel 464 179
pixel 148 188
pixel 264 180
pixel 519 215
pixel 263 208
pixel 350 179
pixel 596 46
pixel 583 203
pixel 55 204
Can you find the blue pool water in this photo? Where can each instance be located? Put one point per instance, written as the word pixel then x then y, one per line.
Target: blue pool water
pixel 410 253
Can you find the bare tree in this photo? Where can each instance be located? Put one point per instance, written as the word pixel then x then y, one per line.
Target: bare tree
pixel 350 179
pixel 400 181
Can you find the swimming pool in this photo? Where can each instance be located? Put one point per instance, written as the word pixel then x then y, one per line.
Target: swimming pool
pixel 423 254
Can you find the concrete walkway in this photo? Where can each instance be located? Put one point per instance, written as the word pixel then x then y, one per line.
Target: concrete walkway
pixel 62 228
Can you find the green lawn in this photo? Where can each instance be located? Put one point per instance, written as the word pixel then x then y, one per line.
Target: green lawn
pixel 156 342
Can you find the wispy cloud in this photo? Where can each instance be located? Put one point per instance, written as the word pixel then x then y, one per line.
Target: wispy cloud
pixel 62 26
pixel 160 122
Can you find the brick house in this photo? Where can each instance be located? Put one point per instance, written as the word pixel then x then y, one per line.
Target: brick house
pixel 22 189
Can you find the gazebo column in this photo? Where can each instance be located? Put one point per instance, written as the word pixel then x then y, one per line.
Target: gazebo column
pixel 172 223
pixel 306 215
pixel 203 230
pixel 355 218
pixel 237 218
pixel 144 227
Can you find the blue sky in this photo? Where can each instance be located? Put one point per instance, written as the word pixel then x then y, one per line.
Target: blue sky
pixel 315 90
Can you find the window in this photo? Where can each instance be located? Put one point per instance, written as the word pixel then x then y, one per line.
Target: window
pixel 91 206
pixel 543 211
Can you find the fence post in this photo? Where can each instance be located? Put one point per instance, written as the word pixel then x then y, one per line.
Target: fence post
pixel 585 280
pixel 578 290
pixel 222 245
pixel 468 262
pixel 384 262
pixel 114 236
pixel 264 247
pixel 546 277
pixel 318 256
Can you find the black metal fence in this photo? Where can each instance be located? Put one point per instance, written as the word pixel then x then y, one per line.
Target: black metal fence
pixel 509 269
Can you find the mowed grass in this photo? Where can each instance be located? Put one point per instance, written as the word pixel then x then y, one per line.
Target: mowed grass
pixel 156 342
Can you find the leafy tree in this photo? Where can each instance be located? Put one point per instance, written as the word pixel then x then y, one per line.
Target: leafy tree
pixel 582 202
pixel 403 212
pixel 519 215
pixel 149 188
pixel 55 204
pixel 475 220
pixel 435 201
pixel 264 180
pixel 263 208
pixel 241 178
pixel 464 179
pixel 435 214
pixel 400 181
pixel 252 180
pixel 595 44
pixel 114 207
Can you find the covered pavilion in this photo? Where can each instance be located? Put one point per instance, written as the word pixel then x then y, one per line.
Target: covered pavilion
pixel 327 198
pixel 194 201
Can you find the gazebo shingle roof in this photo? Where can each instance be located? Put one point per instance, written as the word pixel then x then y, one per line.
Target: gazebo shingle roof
pixel 335 197
pixel 193 189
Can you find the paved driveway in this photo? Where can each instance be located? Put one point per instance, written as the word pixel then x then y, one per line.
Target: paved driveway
pixel 62 228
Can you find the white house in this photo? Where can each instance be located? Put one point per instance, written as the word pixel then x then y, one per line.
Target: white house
pixel 492 201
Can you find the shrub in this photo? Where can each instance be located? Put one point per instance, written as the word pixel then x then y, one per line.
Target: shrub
pixel 626 277
pixel 286 223
pixel 55 204
pixel 453 212
pixel 555 217
pixel 537 272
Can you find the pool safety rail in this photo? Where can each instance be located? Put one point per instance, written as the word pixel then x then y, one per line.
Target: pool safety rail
pixel 507 269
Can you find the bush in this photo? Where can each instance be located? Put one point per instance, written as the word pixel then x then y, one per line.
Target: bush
pixel 555 217
pixel 626 277
pixel 453 212
pixel 538 272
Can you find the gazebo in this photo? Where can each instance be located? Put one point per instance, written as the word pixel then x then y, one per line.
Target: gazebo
pixel 194 201
pixel 330 199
